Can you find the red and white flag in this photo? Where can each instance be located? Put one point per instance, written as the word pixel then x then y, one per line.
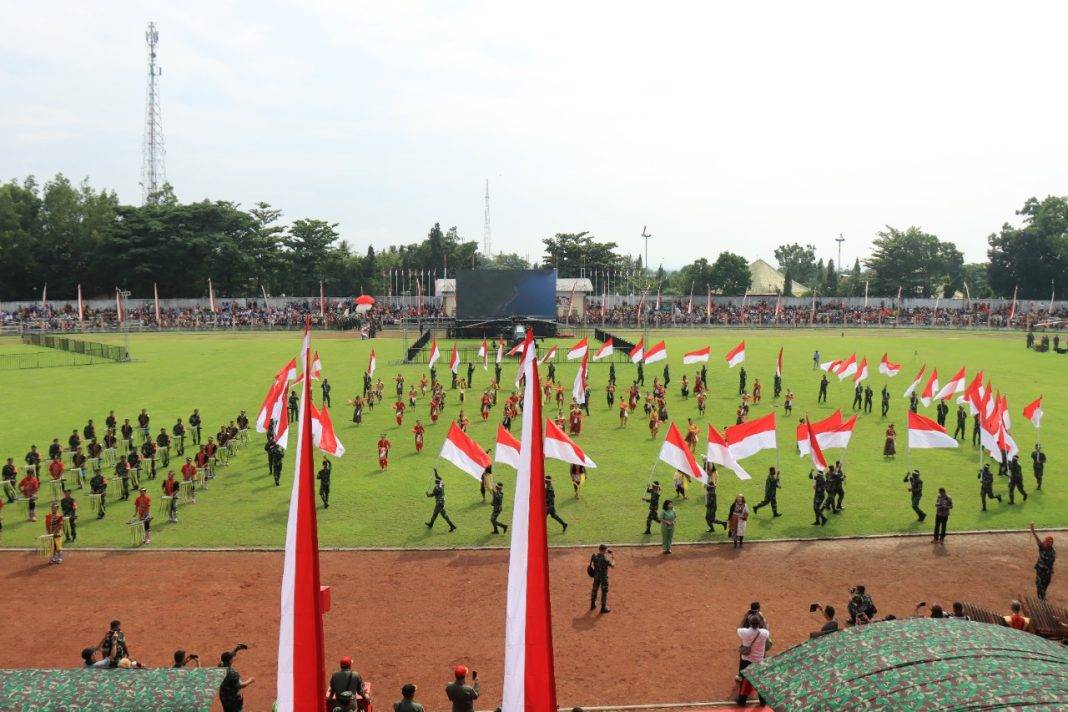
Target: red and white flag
pixel 500 352
pixel 323 434
pixel 483 353
pixel 607 349
pixel 549 355
pixel 579 350
pixel 461 450
pixel 372 363
pixel 676 453
pixel 862 371
pixel 778 364
pixel 155 300
pixel 529 675
pixel 953 386
pixel 993 432
pixel 120 313
pixel 658 352
pixel 915 381
pixel 273 407
pixel 435 354
pixel 814 450
pixel 517 350
pixel 322 300
pixel 736 355
pixel 819 428
pixel 211 296
pixel 752 437
pixel 288 372
pixel 637 354
pixel 698 356
pixel 828 435
pixel 560 447
pixel 830 366
pixel 887 368
pixel 578 390
pixel 1003 404
pixel 316 367
pixel 846 368
pixel 301 651
pixel 81 304
pixel 1012 310
pixel 972 393
pixel 926 433
pixel 454 360
pixel 507 450
pixel 929 390
pixel 719 453
pixel 1033 412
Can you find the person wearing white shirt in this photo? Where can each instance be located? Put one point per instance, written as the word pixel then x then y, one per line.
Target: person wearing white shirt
pixel 754 641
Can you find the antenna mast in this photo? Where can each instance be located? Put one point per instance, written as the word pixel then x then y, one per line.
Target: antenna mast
pixel 153 171
pixel 487 234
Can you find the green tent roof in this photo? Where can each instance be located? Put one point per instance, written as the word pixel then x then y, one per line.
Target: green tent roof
pixel 917 664
pixel 158 690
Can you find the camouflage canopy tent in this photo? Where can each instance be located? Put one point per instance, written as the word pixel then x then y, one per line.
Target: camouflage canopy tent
pixel 163 689
pixel 917 664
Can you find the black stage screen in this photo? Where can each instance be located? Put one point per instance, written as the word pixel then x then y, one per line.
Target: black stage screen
pixel 504 293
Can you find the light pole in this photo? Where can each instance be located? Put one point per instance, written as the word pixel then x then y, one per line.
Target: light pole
pixel 125 294
pixel 646 235
pixel 839 240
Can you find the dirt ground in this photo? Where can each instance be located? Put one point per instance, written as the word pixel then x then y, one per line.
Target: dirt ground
pixel 410 616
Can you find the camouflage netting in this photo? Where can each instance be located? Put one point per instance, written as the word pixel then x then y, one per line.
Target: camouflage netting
pixel 917 664
pixel 159 690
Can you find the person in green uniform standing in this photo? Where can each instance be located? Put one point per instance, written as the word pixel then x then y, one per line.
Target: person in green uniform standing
pixel 771 487
pixel 438 493
pixel 461 694
pixel 498 504
pixel 667 525
pixel 550 502
pixel 653 499
pixel 598 571
pixel 324 483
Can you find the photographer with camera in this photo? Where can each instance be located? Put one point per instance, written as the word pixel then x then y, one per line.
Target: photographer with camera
pixel 597 569
pixel 181 659
pixel 230 690
pixel 830 622
pixel 861 608
pixel 461 694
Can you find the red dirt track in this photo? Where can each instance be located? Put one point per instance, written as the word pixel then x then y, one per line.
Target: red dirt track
pixel 410 616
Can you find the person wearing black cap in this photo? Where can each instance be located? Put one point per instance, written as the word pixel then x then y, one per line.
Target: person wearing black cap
pixel 598 571
pixel 915 483
pixel 461 694
pixel 230 690
pixel 653 499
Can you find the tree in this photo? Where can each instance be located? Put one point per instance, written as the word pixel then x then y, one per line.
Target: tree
pixel 309 243
pixel 799 261
pixel 730 274
pixel 830 286
pixel 509 261
pixel 915 261
pixel 854 279
pixel 788 285
pixel 819 278
pixel 697 275
pixel 974 281
pixel 571 252
pixel 1034 256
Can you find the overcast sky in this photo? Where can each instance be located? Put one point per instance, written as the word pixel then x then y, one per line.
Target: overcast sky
pixel 735 126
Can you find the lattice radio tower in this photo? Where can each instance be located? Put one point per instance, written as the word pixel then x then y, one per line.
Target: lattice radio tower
pixel 487 234
pixel 153 170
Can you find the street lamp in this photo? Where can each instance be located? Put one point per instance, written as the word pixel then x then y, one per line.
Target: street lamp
pixel 839 240
pixel 125 294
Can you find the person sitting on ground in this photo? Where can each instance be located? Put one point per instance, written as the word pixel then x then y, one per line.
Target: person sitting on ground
pixel 1016 619
pixel 830 623
pixel 407 702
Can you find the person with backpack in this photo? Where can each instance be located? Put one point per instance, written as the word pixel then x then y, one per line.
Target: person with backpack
pixel 598 571
pixel 347 680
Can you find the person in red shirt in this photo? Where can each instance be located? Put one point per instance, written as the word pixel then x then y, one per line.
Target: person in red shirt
pixel 398 409
pixel 434 409
pixel 463 421
pixel 202 458
pixel 418 430
pixel 170 489
pixel 55 468
pixel 29 486
pixel 143 512
pixel 54 526
pixel 485 407
pixel 575 420
pixel 189 474
pixel 383 452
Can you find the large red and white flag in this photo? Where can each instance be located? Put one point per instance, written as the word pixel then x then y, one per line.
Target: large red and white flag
pixel 778 364
pixel 529 675
pixel 986 399
pixel 81 304
pixel 483 353
pixel 461 450
pixel 658 352
pixel 736 355
pixel 888 368
pixel 698 356
pixel 676 453
pixel 862 371
pixel 372 363
pixel 1003 404
pixel 815 451
pixel 972 393
pixel 846 368
pixel 578 390
pixel 830 366
pixel 719 453
pixel 953 386
pixel 273 407
pixel 819 428
pixel 837 436
pixel 560 447
pixel 155 300
pixel 637 354
pixel 607 349
pixel 435 354
pixel 323 434
pixel 993 432
pixel 926 433
pixel 752 437
pixel 507 450
pixel 1033 412
pixel 579 350
pixel 916 381
pixel 929 390
pixel 549 355
pixel 316 367
pixel 454 360
pixel 301 651
pixel 288 372
pixel 517 350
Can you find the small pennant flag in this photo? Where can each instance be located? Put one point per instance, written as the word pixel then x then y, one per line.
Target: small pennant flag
pixel 461 450
pixel 736 355
pixel 606 350
pixel 316 367
pixel 698 356
pixel 454 360
pixel 846 368
pixel 1033 412
pixel 926 433
pixel 435 353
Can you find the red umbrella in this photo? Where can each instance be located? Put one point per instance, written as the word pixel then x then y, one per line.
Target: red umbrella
pixel 365 299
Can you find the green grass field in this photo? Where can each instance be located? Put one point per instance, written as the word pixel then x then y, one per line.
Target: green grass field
pixel 221 374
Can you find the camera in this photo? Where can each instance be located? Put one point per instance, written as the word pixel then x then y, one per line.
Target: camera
pixel 241 646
